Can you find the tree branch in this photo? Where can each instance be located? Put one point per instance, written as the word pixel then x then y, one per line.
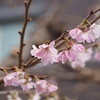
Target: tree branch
pixel 26 19
pixel 91 13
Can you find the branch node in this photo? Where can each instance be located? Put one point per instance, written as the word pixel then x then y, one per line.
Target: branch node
pixel 24 44
pixel 91 12
pixel 25 3
pixel 17 52
pixel 20 32
pixel 29 19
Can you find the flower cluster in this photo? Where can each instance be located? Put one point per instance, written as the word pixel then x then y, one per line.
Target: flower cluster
pixel 89 35
pixel 18 79
pixel 21 79
pixel 42 86
pixel 70 54
pixel 48 53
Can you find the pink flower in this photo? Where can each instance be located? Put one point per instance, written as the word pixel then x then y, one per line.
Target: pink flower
pixel 11 79
pixel 51 89
pixel 76 34
pixel 92 34
pixel 62 57
pixel 27 86
pixel 70 54
pixel 78 48
pixel 97 56
pixel 47 53
pixel 18 79
pixel 82 58
pixel 88 36
pixel 43 86
pixel 77 63
pixel 95 29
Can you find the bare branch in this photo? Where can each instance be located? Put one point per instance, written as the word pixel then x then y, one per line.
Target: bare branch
pixel 27 4
pixel 91 13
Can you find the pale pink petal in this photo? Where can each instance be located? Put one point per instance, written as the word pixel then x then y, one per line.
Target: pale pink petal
pixel 71 56
pixel 52 44
pixel 76 34
pixel 78 48
pixel 62 57
pixel 97 56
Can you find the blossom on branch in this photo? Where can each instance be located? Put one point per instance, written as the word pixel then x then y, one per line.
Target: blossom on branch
pixel 14 79
pixel 76 34
pixel 95 29
pixel 88 35
pixel 97 56
pixel 28 84
pixel 46 52
pixel 71 53
pixel 18 79
pixel 82 58
pixel 42 86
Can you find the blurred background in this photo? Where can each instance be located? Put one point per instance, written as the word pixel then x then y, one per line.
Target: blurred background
pixel 49 19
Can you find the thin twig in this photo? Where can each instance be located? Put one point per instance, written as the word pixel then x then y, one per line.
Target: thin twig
pixel 61 37
pixel 34 62
pixel 40 77
pixel 4 68
pixel 95 19
pixel 26 19
pixel 30 61
pixel 91 13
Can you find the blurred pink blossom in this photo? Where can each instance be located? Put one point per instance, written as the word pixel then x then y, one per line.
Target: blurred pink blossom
pixel 76 33
pixel 42 86
pixel 95 29
pixel 82 58
pixel 18 79
pixel 27 86
pixel 97 56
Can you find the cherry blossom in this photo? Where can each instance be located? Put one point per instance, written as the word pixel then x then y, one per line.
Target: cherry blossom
pixel 27 86
pixel 76 34
pixel 11 79
pixel 82 58
pixel 42 86
pixel 46 52
pixel 97 56
pixel 70 54
pixel 14 79
pixel 95 29
pixel 18 79
pixel 92 34
pixel 86 36
pixel 78 48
